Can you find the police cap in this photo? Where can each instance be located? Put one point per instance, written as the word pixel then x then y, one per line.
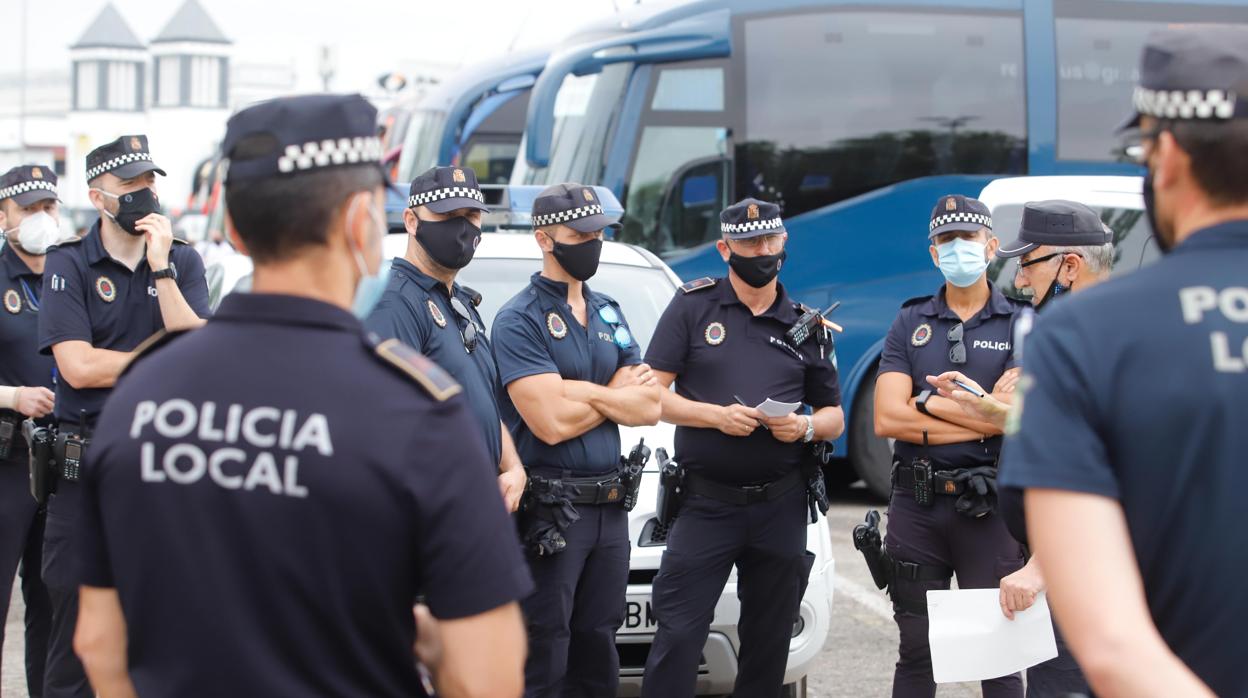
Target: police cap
pixel 445 189
pixel 957 213
pixel 125 158
pixel 750 218
pixel 26 184
pixel 1193 72
pixel 574 205
pixel 1057 223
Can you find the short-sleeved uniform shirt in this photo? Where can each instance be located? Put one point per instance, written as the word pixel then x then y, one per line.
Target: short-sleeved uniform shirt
pixel 720 351
pixel 1134 390
pixel 89 296
pixel 269 523
pixel 19 333
pixel 416 309
pixel 535 333
pixel 918 345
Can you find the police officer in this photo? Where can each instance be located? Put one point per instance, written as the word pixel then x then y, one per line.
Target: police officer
pixel 1062 247
pixel 425 308
pixel 102 296
pixel 724 341
pixel 1132 436
pixel 267 521
pixel 30 219
pixel 939 522
pixel 572 373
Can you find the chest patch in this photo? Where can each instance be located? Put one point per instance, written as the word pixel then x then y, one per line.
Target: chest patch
pixel 922 335
pixel 715 334
pixel 106 289
pixel 556 326
pixel 436 312
pixel 12 301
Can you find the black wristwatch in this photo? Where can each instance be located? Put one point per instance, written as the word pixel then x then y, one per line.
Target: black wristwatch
pixel 166 273
pixel 921 403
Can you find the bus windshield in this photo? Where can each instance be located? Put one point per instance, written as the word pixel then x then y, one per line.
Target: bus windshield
pixel 420 147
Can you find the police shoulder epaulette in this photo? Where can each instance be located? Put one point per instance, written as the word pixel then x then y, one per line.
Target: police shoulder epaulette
pixel 698 284
pixel 149 346
pixel 473 295
pixel 415 365
pixel 72 241
pixel 180 241
pixel 916 300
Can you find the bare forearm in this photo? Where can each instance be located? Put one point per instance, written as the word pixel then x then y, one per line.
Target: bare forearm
pixel 108 676
pixel 631 406
pixel 684 412
pixel 175 312
pixel 510 459
pixel 908 424
pixel 829 423
pixel 947 410
pixel 93 368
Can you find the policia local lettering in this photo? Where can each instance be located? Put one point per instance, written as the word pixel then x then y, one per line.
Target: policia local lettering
pixel 1232 303
pixel 229 467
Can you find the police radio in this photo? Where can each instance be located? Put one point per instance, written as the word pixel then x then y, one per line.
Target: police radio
pixel 815 324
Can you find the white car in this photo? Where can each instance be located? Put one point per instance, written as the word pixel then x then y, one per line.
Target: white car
pixel 643 285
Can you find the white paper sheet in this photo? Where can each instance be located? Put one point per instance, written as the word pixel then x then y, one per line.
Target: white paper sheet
pixel 972 640
pixel 771 408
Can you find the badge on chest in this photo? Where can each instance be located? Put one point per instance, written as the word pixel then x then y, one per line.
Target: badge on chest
pixel 12 301
pixel 556 326
pixel 715 334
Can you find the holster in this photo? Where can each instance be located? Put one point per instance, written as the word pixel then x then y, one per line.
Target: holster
pixel 546 511
pixel 631 469
pixel 39 441
pixel 9 429
pixel 671 488
pixel 867 541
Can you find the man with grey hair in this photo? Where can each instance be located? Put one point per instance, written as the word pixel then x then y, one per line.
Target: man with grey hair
pixel 1062 246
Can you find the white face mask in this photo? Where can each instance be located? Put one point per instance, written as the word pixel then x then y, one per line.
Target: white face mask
pixel 38 232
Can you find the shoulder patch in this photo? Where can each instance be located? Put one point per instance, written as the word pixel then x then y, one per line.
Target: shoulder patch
pixel 149 346
pixel 916 300
pixel 415 365
pixel 698 284
pixel 473 295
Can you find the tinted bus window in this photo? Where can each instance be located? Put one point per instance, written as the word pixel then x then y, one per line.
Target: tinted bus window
pixel 838 104
pixel 1098 56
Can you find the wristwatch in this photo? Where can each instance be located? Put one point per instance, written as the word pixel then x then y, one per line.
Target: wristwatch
pixel 167 273
pixel 810 429
pixel 921 403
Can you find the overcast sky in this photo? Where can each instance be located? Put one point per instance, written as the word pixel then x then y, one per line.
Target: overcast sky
pixel 370 36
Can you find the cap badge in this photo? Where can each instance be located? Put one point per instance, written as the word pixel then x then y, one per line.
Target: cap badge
pixel 135 143
pixel 922 335
pixel 715 334
pixel 36 173
pixel 588 194
pixel 104 286
pixel 458 176
pixel 557 327
pixel 12 302
pixel 436 312
pixel 951 204
pixel 751 211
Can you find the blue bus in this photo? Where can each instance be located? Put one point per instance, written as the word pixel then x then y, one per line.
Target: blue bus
pixel 856 117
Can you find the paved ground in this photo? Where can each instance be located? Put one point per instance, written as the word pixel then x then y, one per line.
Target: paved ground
pixel 857 659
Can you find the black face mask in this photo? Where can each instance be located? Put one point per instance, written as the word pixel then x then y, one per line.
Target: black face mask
pixel 580 260
pixel 450 243
pixel 1056 289
pixel 134 207
pixel 757 271
pixel 1150 212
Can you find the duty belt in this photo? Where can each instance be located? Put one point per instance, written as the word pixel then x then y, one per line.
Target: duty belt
pixel 607 488
pixel 943 481
pixel 742 494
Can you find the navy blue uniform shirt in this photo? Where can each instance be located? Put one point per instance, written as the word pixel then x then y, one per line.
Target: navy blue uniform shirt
pixel 416 309
pixel 1135 390
pixel 918 345
pixel 719 351
pixel 22 364
pixel 535 333
pixel 269 518
pixel 89 296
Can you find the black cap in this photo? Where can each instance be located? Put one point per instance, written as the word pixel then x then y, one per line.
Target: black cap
pixel 749 218
pixel 26 184
pixel 1193 72
pixel 955 212
pixel 126 158
pixel 1057 223
pixel 296 135
pixel 573 205
pixel 444 189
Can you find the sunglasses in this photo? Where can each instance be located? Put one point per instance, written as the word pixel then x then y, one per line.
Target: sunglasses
pixel 469 333
pixel 957 352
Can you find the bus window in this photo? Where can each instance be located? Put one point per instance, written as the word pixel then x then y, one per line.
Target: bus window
pixel 1098 56
pixel 840 103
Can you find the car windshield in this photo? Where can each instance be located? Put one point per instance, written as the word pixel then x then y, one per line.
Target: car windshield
pixel 642 293
pixel 420 145
pixel 584 110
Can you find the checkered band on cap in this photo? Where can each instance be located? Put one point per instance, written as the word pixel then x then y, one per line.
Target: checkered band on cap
pixel 565 216
pixel 110 165
pixel 446 193
pixel 330 152
pixel 769 224
pixel 976 218
pixel 1184 104
pixel 23 187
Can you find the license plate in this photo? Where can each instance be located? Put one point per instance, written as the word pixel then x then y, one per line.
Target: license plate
pixel 638 615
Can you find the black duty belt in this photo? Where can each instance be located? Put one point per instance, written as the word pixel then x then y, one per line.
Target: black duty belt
pixel 742 494
pixel 943 481
pixel 607 488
